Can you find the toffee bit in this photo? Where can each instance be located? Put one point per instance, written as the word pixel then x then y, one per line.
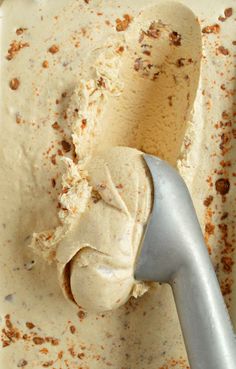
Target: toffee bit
pixel 207 202
pixel 209 228
pixel 66 146
pixel 222 186
pixel 180 62
pixel 22 363
pixel 15 47
pixel 53 49
pixel 29 325
pixel 138 64
pixel 14 83
pixel 53 159
pixel 38 340
pixel 227 263
pixel 222 50
pixel 72 329
pixel 20 30
pixel 147 52
pixel 122 25
pixel 55 125
pixel 18 118
pixel 175 38
pixel 228 12
pixel 96 197
pixel 101 82
pixel 45 64
pixel 53 182
pixel 120 50
pixel 47 364
pixel 83 123
pixel 215 28
pixel 81 315
pixel 153 31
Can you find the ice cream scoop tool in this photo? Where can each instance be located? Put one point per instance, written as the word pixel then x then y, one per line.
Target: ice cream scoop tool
pixel 173 251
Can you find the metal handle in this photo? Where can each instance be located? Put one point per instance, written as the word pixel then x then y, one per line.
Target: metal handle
pixel 173 251
pixel 204 318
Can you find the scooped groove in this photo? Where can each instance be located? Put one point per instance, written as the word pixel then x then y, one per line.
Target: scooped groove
pixel 149 77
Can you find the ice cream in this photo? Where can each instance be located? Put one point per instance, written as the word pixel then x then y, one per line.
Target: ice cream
pixel 55 90
pixel 96 258
pixel 95 264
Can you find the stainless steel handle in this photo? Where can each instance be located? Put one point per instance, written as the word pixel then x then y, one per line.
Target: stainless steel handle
pixel 204 318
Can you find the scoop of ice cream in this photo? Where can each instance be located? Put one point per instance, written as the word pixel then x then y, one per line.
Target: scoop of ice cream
pixel 97 256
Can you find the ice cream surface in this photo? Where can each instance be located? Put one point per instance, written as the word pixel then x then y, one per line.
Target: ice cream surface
pixel 100 249
pixel 126 69
pixel 79 79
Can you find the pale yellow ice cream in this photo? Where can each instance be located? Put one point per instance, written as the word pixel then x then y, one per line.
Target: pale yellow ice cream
pixel 96 258
pixel 95 264
pixel 38 327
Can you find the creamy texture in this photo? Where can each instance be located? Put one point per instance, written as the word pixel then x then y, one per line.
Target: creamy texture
pixel 102 245
pixel 152 52
pixel 44 330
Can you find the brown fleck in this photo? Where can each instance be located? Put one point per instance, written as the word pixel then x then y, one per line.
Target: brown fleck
pixel 180 62
pixel 29 325
pixel 222 186
pixel 72 351
pixel 227 263
pixel 96 197
pixel 175 38
pixel 53 182
pixel 53 49
pixel 120 50
pixel 83 123
pixel 234 42
pixel 22 363
pixel 66 146
pixel 170 100
pixel 228 12
pixel 101 82
pixel 209 228
pixel 122 25
pixel 147 52
pixel 225 115
pixel 81 314
pixel 215 28
pixel 38 340
pixel 224 216
pixel 138 64
pixel 15 47
pixel 45 64
pixel 47 364
pixel 55 125
pixel 153 31
pixel 20 30
pixel 14 83
pixel 208 201
pixel 222 50
pixel 81 355
pixel 72 329
pixel 53 159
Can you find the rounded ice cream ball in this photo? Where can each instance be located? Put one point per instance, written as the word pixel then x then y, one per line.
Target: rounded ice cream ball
pixel 96 259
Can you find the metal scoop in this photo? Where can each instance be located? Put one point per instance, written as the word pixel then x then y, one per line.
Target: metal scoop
pixel 173 251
